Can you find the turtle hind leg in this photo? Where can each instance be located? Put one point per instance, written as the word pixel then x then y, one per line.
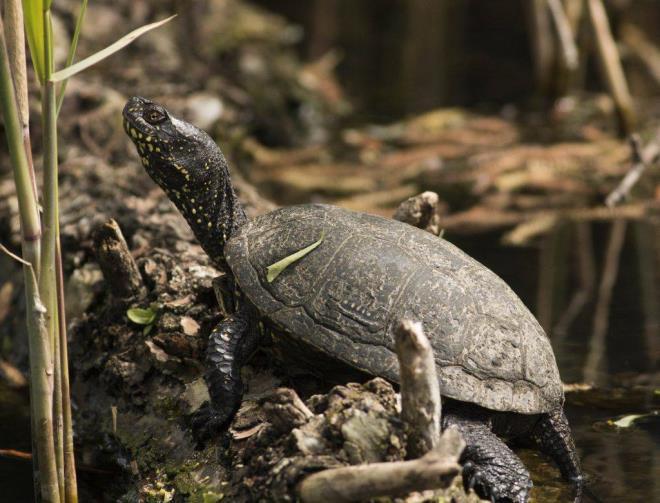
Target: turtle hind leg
pixel 554 435
pixel 231 342
pixel 489 466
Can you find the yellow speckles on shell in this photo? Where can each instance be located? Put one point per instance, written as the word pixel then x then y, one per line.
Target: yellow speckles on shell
pixel 145 161
pixel 199 220
pixel 209 225
pixel 194 211
pixel 150 147
pixel 133 133
pixel 157 149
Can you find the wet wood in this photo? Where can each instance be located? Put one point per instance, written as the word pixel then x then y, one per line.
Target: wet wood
pixel 119 269
pixel 360 483
pixel 285 410
pixel 420 391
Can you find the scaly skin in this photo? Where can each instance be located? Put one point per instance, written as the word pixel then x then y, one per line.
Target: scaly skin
pixel 190 168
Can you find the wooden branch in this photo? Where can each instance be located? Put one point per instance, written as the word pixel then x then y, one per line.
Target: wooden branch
pixel 363 482
pixel 420 391
pixel 611 63
pixel 285 410
pixel 117 264
pixel 543 47
pixel 565 35
pixel 641 158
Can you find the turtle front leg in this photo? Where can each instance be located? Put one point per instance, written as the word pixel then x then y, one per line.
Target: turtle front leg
pixel 489 466
pixel 231 342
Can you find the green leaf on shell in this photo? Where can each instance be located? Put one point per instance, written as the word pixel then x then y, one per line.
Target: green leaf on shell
pixel 141 316
pixel 274 270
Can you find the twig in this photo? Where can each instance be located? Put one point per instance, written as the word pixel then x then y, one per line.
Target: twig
pixel 117 264
pixel 363 482
pixel 543 47
pixel 565 35
pixel 420 391
pixel 640 160
pixel 611 62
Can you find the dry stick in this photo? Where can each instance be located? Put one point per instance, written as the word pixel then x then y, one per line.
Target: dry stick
pixel 420 391
pixel 611 63
pixel 565 35
pixel 641 47
pixel 117 264
pixel 601 322
pixel 640 160
pixel 543 47
pixel 420 397
pixel 361 483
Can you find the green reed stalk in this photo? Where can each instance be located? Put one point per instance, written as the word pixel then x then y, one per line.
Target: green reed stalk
pixel 40 358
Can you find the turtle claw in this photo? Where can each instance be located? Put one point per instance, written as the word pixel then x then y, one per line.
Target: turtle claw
pixel 206 423
pixel 489 486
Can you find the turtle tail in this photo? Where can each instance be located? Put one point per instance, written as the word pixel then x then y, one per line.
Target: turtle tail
pixel 554 434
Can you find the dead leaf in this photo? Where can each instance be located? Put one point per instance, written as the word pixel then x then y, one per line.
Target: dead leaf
pixel 190 326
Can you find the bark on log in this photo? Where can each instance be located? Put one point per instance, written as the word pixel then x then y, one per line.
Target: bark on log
pixel 117 264
pixel 420 391
pixel 422 211
pixel 360 483
pixel 285 410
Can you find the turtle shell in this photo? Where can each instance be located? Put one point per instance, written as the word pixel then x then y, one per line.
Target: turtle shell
pixel 346 296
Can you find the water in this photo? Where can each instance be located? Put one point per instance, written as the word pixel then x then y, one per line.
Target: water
pixel 623 464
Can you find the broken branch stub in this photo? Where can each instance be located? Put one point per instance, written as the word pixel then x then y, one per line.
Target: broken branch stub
pixel 434 470
pixel 285 410
pixel 117 264
pixel 420 391
pixel 422 211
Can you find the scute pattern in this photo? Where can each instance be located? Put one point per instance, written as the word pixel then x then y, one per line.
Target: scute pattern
pixel 346 296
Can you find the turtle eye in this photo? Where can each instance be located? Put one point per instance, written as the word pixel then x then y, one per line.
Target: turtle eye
pixel 154 116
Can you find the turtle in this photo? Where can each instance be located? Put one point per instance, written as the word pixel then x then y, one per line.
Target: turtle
pixel 355 277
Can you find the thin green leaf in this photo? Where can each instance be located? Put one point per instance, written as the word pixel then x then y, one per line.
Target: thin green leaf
pixel 147 330
pixel 104 53
pixel 34 29
pixel 274 270
pixel 141 316
pixel 72 51
pixel 626 421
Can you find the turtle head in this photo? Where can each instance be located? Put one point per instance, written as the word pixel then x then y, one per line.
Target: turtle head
pixel 177 155
pixel 189 167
